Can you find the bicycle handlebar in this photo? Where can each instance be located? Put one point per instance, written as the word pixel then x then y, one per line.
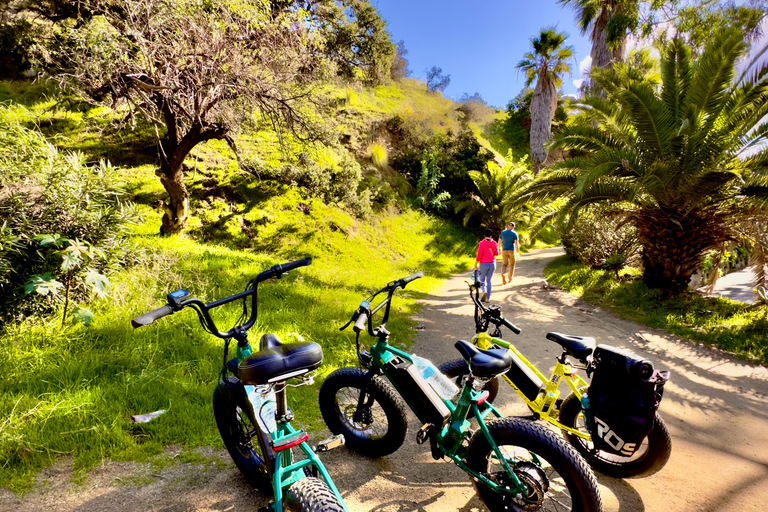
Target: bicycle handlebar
pixel 363 315
pixel 495 319
pixel 148 318
pixel 286 267
pixel 512 327
pixel 412 277
pixel 203 309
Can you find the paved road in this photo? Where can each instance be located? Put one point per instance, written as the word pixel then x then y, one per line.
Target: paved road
pixel 716 408
pixel 736 286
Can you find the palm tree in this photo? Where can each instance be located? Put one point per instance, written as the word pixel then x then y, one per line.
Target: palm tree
pixel 494 204
pixel 684 159
pixel 607 21
pixel 545 65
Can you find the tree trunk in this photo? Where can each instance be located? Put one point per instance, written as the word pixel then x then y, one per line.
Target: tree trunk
pixel 601 54
pixel 171 173
pixel 177 207
pixel 674 244
pixel 543 105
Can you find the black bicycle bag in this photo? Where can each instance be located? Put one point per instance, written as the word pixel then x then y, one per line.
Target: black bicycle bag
pixel 624 395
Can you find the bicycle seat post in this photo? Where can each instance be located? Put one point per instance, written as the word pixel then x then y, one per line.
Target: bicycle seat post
pixel 282 413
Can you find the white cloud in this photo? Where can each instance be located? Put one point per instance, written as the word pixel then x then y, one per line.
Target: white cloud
pixel 585 65
pixel 578 83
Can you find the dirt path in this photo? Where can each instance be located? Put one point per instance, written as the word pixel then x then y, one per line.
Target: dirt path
pixel 716 408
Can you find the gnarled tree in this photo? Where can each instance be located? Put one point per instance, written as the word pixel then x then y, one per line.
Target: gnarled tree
pixel 197 70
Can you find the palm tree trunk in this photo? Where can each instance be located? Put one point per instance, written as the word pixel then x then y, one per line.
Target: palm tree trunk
pixel 601 54
pixel 543 105
pixel 758 258
pixel 674 244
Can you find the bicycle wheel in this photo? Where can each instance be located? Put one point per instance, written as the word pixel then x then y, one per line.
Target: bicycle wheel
pixel 311 495
pixel 556 477
pixel 239 435
pixel 652 454
pixel 457 369
pixel 376 429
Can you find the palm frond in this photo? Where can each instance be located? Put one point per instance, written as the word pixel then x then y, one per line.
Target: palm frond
pixel 676 78
pixel 584 138
pixel 713 73
pixel 616 163
pixel 653 122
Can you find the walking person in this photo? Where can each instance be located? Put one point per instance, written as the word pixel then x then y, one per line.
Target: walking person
pixel 487 250
pixel 510 252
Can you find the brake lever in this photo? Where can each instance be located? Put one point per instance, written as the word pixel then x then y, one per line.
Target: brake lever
pixel 354 317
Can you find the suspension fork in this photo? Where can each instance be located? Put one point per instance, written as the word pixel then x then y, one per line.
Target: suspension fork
pixel 364 402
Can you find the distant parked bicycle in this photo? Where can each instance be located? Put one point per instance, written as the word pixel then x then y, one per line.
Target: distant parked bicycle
pixel 251 408
pixel 514 464
pixel 613 422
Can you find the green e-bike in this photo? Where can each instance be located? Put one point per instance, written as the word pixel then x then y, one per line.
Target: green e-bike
pixel 250 404
pixel 514 463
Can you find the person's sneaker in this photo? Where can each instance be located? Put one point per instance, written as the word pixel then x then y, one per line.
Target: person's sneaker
pixel 483 296
pixel 503 279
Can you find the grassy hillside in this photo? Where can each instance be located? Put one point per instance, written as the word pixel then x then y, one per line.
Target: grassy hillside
pixel 73 390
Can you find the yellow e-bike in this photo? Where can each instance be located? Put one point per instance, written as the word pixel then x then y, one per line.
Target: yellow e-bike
pixel 612 421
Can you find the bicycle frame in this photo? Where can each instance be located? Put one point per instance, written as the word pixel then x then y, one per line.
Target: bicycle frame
pixel 451 435
pixel 284 471
pixel 544 404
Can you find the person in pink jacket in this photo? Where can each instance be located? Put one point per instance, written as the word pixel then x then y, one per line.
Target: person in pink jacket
pixel 487 250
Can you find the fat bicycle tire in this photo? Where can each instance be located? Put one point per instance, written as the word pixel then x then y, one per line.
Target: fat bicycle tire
pixel 311 495
pixel 650 457
pixel 338 403
pixel 561 467
pixel 233 428
pixel 457 369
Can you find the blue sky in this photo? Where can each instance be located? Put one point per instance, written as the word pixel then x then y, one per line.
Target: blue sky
pixel 478 42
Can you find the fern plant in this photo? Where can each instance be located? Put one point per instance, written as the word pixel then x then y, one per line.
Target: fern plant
pixel 495 204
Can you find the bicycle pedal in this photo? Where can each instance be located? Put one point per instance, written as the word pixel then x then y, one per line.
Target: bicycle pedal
pixel 330 444
pixel 423 434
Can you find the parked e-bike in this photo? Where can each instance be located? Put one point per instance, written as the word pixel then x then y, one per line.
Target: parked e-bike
pixel 515 464
pixel 613 421
pixel 250 403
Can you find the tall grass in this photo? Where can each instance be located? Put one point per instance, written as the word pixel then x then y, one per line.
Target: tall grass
pixel 73 391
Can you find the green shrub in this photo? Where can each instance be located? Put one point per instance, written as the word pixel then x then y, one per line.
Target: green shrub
pixel 336 182
pixel 601 236
pixel 46 192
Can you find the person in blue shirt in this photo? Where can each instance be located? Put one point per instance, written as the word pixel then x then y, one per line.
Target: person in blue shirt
pixel 509 242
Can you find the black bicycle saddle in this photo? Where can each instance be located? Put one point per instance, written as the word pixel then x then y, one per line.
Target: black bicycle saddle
pixel 484 363
pixel 579 347
pixel 277 362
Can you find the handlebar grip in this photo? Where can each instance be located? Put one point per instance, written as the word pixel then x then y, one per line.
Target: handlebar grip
pixel 285 267
pixel 512 327
pixel 412 277
pixel 148 318
pixel 360 322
